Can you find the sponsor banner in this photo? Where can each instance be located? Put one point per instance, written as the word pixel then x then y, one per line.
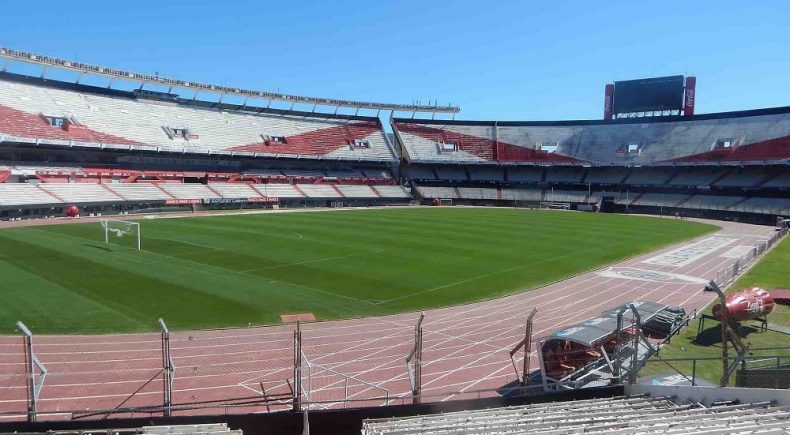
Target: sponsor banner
pixel 182 201
pixel 258 199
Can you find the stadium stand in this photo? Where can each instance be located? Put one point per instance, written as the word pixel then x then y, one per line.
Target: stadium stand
pixel 16 194
pixel 780 181
pixel 437 192
pixel 619 415
pixel 522 194
pixel 80 192
pixel 565 175
pixel 233 190
pixel 477 193
pixel 660 199
pixel 318 191
pixel 93 116
pixel 484 173
pixel 356 191
pixel 139 191
pixel 697 177
pixel 755 135
pixel 525 175
pixel 451 173
pixel 278 190
pixel 712 202
pixel 606 175
pixel 188 191
pixel 648 176
pixel 391 192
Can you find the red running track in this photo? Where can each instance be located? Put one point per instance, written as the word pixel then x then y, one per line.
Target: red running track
pixel 465 347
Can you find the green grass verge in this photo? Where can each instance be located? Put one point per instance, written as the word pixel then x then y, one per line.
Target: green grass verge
pixel 240 270
pixel 770 272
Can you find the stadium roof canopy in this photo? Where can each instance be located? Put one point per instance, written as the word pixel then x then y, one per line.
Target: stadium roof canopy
pixel 82 68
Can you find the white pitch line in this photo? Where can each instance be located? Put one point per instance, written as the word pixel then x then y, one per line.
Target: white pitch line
pixel 317 260
pixel 187 243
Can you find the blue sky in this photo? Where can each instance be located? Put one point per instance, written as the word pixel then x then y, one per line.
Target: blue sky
pixel 506 60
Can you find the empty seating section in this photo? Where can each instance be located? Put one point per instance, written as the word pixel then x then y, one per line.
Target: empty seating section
pixel 642 415
pixel 271 190
pixel 484 173
pixel 697 177
pixel 188 191
pixel 712 202
pixel 780 181
pixel 613 175
pixel 80 192
pixel 565 195
pixel 348 174
pixel 356 191
pixel 319 191
pixel 139 191
pixel 744 177
pixel 24 194
pixel 525 175
pixel 437 192
pixel 452 173
pixel 376 174
pixel 128 121
pixel 752 135
pixel 234 190
pixel 660 199
pixel 565 175
pixel 779 206
pixel 421 173
pixel 521 194
pixel 650 176
pixel 392 192
pixel 302 173
pixel 477 193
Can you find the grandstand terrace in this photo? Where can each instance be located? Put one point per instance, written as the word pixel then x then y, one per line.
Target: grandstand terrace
pixel 747 136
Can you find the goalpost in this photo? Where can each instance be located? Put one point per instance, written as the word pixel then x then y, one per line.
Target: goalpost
pixel 122 229
pixel 445 201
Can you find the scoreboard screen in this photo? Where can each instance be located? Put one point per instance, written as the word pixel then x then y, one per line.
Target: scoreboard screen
pixel 648 95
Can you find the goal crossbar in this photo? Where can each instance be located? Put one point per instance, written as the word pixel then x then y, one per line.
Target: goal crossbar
pixel 121 228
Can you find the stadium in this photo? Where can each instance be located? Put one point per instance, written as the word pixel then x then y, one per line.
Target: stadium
pixel 183 257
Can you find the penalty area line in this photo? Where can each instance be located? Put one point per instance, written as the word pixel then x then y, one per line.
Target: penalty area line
pixel 188 243
pixel 317 260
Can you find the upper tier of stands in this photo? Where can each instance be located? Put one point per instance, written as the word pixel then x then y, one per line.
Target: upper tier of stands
pixel 757 135
pixel 119 120
pixel 625 415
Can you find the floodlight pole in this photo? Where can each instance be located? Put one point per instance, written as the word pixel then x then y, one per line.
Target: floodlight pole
pixel 30 369
pixel 168 369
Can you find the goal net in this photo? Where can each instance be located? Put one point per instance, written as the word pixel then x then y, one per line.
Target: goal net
pixel 122 233
pixel 445 201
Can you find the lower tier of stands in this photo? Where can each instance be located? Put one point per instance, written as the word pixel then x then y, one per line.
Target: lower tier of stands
pixel 774 177
pixel 760 205
pixel 52 194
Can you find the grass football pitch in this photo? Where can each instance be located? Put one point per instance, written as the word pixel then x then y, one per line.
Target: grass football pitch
pixel 207 272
